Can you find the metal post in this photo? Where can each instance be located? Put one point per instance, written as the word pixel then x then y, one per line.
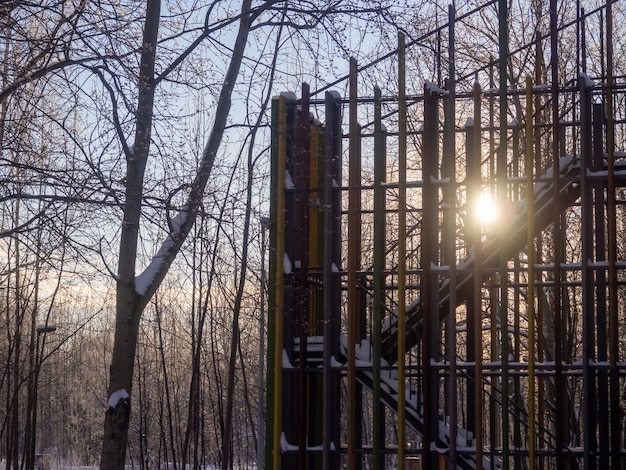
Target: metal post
pixel 354 253
pixel 327 300
pixel 334 125
pixel 502 202
pixel 518 401
pixel 429 285
pixel 560 385
pixel 601 286
pixel 494 424
pixel 380 164
pixel 530 208
pixel 612 249
pixel 271 321
pixel 316 258
pixel 474 191
pixel 278 280
pixel 449 237
pixel 402 137
pixel 588 297
pixel 301 264
pixel 332 181
pixel 538 151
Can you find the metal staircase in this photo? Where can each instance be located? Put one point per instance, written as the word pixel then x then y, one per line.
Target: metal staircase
pixel 514 236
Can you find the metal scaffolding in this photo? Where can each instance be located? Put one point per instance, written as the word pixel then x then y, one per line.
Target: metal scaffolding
pixel 407 332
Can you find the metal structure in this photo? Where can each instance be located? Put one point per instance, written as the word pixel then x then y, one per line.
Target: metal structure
pixel 406 333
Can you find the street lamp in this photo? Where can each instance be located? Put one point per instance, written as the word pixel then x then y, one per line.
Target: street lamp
pixel 40 330
pixel 45 329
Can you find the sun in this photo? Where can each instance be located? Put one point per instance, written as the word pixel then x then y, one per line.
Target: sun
pixel 486 209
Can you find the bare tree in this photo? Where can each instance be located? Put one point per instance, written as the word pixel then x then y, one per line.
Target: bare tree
pixel 133 293
pixel 121 66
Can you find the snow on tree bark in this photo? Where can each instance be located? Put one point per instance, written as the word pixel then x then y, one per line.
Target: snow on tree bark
pixel 132 298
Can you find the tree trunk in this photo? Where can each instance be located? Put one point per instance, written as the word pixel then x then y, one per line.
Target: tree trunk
pixel 117 416
pixel 129 303
pixel 133 293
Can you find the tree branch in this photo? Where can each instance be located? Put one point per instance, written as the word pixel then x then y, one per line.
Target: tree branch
pixel 159 265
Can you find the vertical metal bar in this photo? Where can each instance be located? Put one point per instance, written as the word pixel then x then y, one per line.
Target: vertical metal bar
pixel 578 35
pixel 493 420
pixel 316 237
pixel 316 257
pixel 361 321
pixel 430 226
pixel 336 136
pixel 612 248
pixel 588 299
pixel 327 295
pixel 502 200
pixel 601 285
pixel 271 321
pixel 530 202
pixel 583 40
pixel 474 307
pixel 601 40
pixel 518 404
pixel 329 391
pixel 301 263
pixel 378 280
pixel 354 253
pixel 291 395
pixel 541 411
pixel 402 139
pixel 279 268
pixel 561 397
pixel 449 238
pixel 470 239
pixel 473 196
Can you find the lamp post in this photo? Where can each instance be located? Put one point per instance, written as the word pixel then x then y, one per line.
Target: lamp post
pixel 40 330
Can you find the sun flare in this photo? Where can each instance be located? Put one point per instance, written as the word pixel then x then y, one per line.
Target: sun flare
pixel 486 209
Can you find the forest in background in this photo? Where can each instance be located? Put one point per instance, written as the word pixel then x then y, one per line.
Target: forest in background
pixel 135 161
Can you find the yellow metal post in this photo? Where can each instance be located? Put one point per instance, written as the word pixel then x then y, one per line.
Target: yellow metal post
pixel 280 255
